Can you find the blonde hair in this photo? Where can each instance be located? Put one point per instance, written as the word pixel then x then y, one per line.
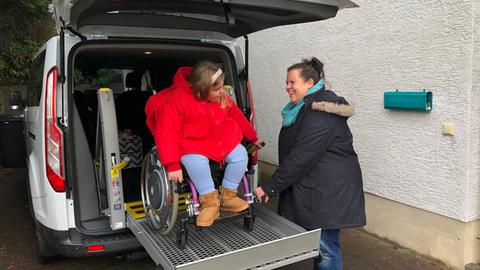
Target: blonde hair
pixel 200 80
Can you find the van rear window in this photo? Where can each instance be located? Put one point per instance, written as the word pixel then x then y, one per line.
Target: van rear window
pixel 111 78
pixel 34 83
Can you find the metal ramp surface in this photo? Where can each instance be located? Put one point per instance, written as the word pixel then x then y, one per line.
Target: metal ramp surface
pixel 274 242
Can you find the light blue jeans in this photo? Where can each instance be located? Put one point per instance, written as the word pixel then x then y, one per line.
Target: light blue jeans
pixel 198 168
pixel 331 252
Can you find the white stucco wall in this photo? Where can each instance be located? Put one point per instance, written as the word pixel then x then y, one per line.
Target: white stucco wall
pixel 383 46
pixel 473 195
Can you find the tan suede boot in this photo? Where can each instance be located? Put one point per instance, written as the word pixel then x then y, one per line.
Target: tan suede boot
pixel 229 201
pixel 209 209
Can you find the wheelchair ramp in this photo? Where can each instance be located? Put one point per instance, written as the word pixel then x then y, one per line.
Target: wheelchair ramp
pixel 274 242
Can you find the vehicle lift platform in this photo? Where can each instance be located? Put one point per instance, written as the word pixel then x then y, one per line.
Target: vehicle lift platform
pixel 273 242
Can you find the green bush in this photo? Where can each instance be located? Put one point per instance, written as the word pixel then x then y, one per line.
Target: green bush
pixel 24 26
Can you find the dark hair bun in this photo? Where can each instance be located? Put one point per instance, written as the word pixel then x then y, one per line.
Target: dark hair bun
pixel 315 64
pixel 309 69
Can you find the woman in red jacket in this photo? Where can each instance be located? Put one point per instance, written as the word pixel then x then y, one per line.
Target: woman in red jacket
pixel 194 121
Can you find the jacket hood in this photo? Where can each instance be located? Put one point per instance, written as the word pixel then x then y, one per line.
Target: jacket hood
pixel 328 101
pixel 180 78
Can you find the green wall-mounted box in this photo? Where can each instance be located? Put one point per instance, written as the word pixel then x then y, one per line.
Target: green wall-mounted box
pixel 411 101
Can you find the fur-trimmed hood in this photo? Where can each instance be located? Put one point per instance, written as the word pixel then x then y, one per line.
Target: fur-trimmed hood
pixel 345 110
pixel 328 101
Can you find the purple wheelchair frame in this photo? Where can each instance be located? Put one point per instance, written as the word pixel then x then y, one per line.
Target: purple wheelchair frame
pixel 196 203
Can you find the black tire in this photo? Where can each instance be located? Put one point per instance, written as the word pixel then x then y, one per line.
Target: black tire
pixel 181 239
pixel 248 222
pixel 159 267
pixel 45 253
pixel 156 189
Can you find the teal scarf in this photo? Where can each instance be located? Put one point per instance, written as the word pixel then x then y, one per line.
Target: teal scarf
pixel 291 110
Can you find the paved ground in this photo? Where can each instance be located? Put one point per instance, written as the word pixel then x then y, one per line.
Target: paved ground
pixel 361 251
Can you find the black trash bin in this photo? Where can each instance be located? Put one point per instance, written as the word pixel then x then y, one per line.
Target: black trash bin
pixel 12 145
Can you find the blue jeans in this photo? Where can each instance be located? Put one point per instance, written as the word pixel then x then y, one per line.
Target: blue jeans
pixel 330 249
pixel 198 168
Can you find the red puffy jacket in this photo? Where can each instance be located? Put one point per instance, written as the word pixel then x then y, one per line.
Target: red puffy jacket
pixel 182 124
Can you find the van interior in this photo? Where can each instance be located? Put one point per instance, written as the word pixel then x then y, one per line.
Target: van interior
pixel 133 72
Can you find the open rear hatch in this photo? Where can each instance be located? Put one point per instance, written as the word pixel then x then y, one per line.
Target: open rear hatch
pixel 233 18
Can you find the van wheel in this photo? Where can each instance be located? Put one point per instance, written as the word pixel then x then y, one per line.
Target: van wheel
pixel 44 252
pixel 159 267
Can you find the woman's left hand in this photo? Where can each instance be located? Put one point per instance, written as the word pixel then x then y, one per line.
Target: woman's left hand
pixel 259 143
pixel 259 193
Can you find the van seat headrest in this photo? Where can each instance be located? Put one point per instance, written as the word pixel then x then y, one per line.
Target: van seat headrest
pixel 134 80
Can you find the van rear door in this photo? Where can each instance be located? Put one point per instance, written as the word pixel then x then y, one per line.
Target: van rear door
pixel 233 18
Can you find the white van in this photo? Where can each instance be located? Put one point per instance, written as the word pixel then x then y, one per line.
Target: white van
pixel 133 48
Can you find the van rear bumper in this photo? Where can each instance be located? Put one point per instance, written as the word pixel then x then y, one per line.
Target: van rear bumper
pixel 72 243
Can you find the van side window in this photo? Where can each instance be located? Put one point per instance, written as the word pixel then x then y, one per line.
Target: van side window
pixel 35 85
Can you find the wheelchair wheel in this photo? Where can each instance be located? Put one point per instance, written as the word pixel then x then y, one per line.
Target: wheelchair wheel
pixel 181 240
pixel 159 195
pixel 248 222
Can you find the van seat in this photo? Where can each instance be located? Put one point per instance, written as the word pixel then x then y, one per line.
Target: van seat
pixel 130 109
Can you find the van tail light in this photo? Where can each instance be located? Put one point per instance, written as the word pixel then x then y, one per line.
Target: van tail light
pixel 95 248
pixel 252 119
pixel 53 136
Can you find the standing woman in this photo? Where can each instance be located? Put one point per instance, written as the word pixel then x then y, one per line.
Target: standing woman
pixel 319 178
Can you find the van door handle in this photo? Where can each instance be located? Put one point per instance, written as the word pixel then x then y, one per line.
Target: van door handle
pixel 31 135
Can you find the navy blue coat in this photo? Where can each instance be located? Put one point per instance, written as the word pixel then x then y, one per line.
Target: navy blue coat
pixel 319 178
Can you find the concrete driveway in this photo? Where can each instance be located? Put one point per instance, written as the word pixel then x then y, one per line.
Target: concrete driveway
pixel 361 251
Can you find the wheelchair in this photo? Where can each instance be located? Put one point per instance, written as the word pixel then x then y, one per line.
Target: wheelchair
pixel 167 203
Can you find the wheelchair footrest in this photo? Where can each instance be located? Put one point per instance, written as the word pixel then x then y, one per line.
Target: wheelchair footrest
pixel 229 216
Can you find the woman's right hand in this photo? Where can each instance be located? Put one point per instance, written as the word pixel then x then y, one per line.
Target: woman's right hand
pixel 176 176
pixel 259 193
